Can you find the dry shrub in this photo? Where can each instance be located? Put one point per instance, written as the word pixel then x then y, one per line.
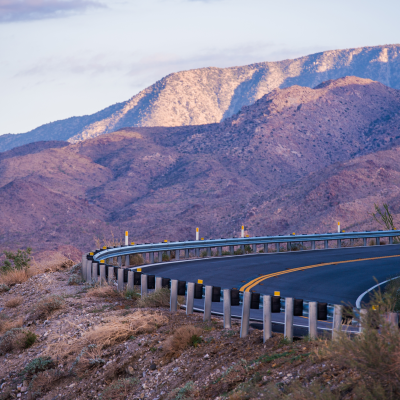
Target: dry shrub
pixel 111 241
pixel 158 298
pixel 14 277
pixel 47 306
pixel 16 338
pixel 14 302
pixel 54 262
pixel 104 291
pixel 136 259
pixel 120 389
pixel 182 338
pixel 6 325
pixel 45 381
pixel 116 330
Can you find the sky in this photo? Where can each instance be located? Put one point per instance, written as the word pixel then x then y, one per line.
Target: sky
pixel 64 58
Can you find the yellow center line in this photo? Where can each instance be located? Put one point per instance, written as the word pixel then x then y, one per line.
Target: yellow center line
pixel 256 281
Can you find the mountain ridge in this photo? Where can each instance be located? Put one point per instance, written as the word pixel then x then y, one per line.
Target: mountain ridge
pixel 210 95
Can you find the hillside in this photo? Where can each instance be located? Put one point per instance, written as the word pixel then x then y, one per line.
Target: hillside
pixel 298 159
pixel 209 95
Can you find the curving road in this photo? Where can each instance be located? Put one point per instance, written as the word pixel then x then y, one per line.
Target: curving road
pixel 336 276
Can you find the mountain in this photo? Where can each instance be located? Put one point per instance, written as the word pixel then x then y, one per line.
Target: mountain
pixel 210 95
pixel 297 160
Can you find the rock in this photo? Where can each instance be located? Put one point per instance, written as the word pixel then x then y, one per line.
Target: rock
pixel 206 356
pixel 153 366
pixel 131 371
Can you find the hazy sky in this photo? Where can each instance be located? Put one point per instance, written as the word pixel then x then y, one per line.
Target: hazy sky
pixel 60 58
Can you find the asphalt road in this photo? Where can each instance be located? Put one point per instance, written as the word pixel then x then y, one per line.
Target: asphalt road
pixel 350 272
pixel 336 284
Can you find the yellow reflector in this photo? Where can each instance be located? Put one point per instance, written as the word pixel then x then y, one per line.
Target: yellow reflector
pixel 374 307
pixel 343 231
pixel 104 247
pixel 165 241
pixel 132 243
pixel 247 235
pixel 101 261
pixel 338 223
pixel 197 229
pixel 294 234
pixel 139 270
pixel 277 293
pixel 126 233
pixel 91 254
pixel 200 281
pixel 202 239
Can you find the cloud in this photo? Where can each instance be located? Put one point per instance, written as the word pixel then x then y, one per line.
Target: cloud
pixel 27 10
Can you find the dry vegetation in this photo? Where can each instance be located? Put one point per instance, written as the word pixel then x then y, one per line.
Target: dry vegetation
pixel 14 302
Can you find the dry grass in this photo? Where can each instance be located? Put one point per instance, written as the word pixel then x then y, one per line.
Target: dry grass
pixel 182 338
pixel 113 331
pixel 120 389
pixel 14 302
pixel 45 307
pixel 45 381
pixel 54 262
pixel 15 339
pixel 104 291
pixel 6 324
pixel 13 277
pixel 158 298
pixel 111 241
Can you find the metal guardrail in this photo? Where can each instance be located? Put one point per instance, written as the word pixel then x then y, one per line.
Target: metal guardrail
pixel 102 254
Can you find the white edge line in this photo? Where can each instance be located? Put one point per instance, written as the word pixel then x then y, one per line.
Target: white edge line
pixel 360 297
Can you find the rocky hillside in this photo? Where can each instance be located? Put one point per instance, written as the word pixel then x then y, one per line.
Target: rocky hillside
pixel 209 95
pixel 298 159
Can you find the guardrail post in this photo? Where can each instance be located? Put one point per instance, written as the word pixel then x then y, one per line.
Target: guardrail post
pixel 131 286
pixel 197 252
pixel 159 258
pixel 244 328
pixel 177 255
pixel 158 282
pixel 110 274
pixel 363 318
pixel 227 309
pixel 313 245
pixel 169 254
pixel 339 243
pixel 207 303
pixel 288 246
pixel 208 251
pixel 94 272
pixel 190 298
pixel 127 260
pixel 337 321
pixel 84 273
pixel 277 247
pixel 83 264
pixel 102 274
pixel 151 257
pixel 242 248
pixel 173 305
pixel 390 239
pixel 231 250
pixel 120 279
pixel 312 319
pixel 364 241
pixel 254 248
pixel 119 261
pixel 267 320
pixel 378 242
pixel 186 253
pixel 351 242
pixel 288 331
pixel 219 250
pixel 265 247
pixel 143 285
pixel 326 244
pixel 89 271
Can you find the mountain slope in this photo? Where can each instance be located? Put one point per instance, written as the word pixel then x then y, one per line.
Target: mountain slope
pixel 209 95
pixel 299 159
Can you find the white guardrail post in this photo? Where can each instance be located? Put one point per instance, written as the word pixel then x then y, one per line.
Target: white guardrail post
pixel 244 328
pixel 120 279
pixel 174 295
pixel 110 274
pixel 312 319
pixel 288 331
pixel 227 309
pixel 102 274
pixel 158 282
pixel 131 284
pixel 207 303
pixel 190 298
pixel 143 286
pixel 267 320
pixel 337 321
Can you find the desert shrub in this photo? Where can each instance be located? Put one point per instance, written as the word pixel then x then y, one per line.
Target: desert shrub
pixel 7 324
pixel 238 252
pixel 110 241
pixel 13 277
pixel 45 381
pixel 226 253
pixel 296 246
pixel 131 294
pixel 203 254
pixel 14 302
pixel 47 306
pixel 158 298
pixel 183 392
pixel 165 257
pixel 53 262
pixel 74 279
pixel 37 365
pixel 16 338
pixel 4 288
pixel 248 249
pixel 120 389
pixel 182 338
pixel 16 261
pixel 104 291
pixel 136 259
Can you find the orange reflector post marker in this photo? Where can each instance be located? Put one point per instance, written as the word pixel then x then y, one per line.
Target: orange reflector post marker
pixel 338 227
pixel 197 233
pixel 126 238
pixel 242 231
